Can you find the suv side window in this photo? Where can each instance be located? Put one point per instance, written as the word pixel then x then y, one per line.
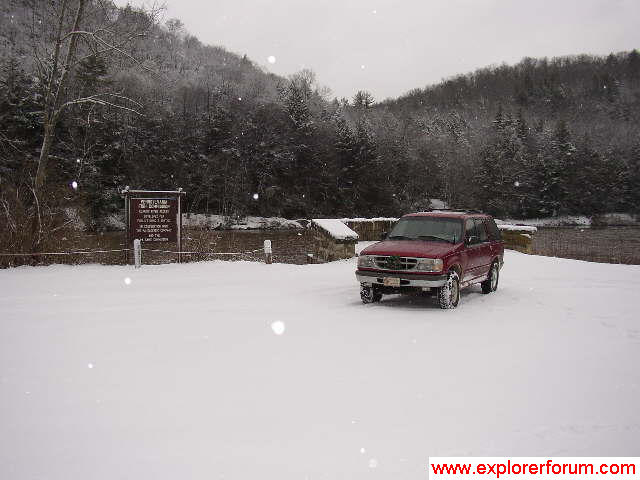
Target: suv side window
pixel 492 229
pixel 482 233
pixel 470 230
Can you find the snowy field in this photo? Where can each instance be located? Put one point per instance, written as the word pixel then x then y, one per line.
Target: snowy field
pixel 243 370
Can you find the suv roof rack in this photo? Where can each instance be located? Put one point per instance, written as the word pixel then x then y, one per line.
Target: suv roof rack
pixel 461 210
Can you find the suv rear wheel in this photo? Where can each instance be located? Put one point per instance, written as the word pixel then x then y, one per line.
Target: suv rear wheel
pixel 449 293
pixel 491 283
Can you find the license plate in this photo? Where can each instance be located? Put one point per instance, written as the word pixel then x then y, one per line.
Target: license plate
pixel 391 282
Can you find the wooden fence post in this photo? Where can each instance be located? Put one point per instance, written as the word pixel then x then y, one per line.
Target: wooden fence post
pixel 137 252
pixel 267 252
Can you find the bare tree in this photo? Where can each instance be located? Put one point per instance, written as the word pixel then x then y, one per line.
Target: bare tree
pixel 66 34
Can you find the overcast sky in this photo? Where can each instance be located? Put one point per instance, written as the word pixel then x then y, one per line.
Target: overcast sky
pixel 390 47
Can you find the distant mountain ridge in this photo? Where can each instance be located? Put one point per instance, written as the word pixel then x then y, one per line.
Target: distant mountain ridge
pixel 577 89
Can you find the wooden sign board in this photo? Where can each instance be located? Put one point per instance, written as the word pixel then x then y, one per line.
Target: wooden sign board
pixel 153 216
pixel 154 219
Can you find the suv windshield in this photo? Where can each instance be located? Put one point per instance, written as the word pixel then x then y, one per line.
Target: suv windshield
pixel 431 229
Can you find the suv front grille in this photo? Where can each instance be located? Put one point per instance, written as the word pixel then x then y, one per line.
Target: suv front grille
pixel 395 263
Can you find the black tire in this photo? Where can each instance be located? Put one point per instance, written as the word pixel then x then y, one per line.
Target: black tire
pixel 491 283
pixel 449 293
pixel 369 294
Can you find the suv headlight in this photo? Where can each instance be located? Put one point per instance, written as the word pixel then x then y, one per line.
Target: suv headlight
pixel 429 264
pixel 366 261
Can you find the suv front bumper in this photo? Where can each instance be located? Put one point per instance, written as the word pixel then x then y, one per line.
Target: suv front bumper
pixel 406 280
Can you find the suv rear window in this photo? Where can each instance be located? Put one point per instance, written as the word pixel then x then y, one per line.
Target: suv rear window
pixel 481 231
pixel 492 229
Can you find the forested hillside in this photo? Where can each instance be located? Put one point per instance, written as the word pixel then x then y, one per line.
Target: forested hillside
pixel 145 104
pixel 540 138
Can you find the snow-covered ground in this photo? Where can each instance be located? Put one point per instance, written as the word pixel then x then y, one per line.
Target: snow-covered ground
pixel 577 220
pixel 242 370
pixel 200 220
pixel 245 223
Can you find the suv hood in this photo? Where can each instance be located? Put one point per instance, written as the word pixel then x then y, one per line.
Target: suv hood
pixel 410 248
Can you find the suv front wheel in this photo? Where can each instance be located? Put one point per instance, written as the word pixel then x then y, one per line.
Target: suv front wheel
pixel 449 293
pixel 369 294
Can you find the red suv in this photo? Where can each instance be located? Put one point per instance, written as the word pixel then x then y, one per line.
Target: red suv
pixel 441 250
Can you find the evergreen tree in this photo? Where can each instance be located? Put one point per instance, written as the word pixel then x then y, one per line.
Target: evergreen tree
pixel 633 65
pixel 633 179
pixel 362 100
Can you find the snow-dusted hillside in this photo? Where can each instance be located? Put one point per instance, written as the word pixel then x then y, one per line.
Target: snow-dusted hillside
pixel 244 371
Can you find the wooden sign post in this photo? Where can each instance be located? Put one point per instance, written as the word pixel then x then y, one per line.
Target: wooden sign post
pixel 153 216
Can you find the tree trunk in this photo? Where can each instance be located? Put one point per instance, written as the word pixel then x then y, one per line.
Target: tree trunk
pixel 52 114
pixel 41 173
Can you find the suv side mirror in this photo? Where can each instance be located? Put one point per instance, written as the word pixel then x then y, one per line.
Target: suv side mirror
pixel 471 240
pixel 383 236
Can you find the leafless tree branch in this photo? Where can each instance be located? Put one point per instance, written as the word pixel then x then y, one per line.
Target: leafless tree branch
pixel 98 100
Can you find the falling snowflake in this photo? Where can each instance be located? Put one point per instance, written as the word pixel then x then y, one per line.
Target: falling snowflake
pixel 374 12
pixel 362 450
pixel 127 281
pixel 278 327
pixel 271 59
pixel 362 67
pixel 90 365
pixel 256 196
pixel 373 463
pixel 239 99
pixel 78 160
pixel 74 185
pixel 517 184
